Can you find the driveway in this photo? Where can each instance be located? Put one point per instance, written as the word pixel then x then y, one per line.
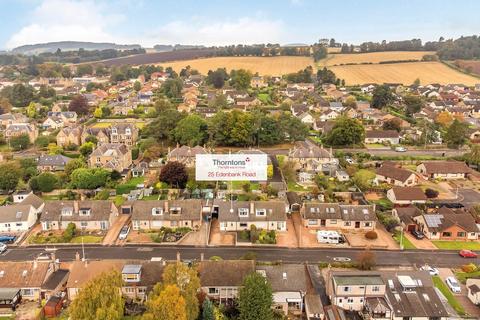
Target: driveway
pixel 112 234
pixel 196 238
pixel 287 238
pixel 384 240
pixel 307 238
pixel 220 238
pixel 420 244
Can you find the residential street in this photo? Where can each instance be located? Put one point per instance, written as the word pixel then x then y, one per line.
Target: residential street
pixel 384 257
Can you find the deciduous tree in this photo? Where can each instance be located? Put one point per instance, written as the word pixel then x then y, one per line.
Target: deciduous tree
pixel 79 104
pixel 9 175
pixel 255 298
pixel 166 304
pixel 175 174
pixel 382 96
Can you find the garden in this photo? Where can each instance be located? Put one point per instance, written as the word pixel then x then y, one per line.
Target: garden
pixel 257 236
pixel 169 235
pixel 69 235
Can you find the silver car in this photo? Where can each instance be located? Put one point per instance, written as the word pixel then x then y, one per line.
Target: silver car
pixel 453 284
pixel 124 232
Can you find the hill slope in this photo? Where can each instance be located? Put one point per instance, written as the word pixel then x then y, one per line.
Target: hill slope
pixel 38 48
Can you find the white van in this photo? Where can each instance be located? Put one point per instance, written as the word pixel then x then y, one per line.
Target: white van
pixel 332 237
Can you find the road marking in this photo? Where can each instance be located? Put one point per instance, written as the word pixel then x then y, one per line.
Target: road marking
pixel 145 249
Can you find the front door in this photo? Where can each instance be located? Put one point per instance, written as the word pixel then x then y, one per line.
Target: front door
pixel 322 222
pixel 103 225
pixel 357 224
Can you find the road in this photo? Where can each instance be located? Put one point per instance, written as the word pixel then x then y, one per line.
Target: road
pixel 133 252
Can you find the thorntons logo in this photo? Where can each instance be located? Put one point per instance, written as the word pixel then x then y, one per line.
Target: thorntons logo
pixel 217 162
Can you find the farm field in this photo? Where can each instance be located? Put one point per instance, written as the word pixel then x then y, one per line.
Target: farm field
pixel 273 66
pixel 472 66
pixel 371 57
pixel 405 73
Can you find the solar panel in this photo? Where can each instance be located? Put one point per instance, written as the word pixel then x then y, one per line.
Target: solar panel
pixel 434 220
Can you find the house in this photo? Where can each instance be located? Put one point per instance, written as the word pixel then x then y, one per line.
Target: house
pixel 52 123
pixel 443 170
pixel 396 176
pixel 289 284
pixel 310 157
pixel 139 279
pixel 111 156
pixel 473 290
pixel 382 136
pixel 56 282
pixel 185 154
pixel 309 87
pixel 307 118
pixel 81 272
pixel 124 133
pixel 70 136
pixel 299 109
pixel 7 119
pixel 329 115
pixel 19 129
pixel 66 117
pixel 258 82
pixel 241 215
pixel 342 175
pixel 19 196
pixel 319 215
pixel 155 214
pixel 294 201
pixel 406 216
pixel 26 277
pixel 448 224
pixel 406 195
pixel 17 217
pixel 56 162
pixel 100 134
pixel 221 280
pixel 85 214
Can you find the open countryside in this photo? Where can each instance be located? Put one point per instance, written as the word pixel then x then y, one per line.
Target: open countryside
pixel 273 66
pixel 405 73
pixel 371 57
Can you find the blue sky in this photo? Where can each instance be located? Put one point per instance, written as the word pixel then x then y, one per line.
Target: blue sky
pixel 217 22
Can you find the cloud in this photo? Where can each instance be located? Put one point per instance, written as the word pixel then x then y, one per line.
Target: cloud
pixel 244 30
pixel 60 20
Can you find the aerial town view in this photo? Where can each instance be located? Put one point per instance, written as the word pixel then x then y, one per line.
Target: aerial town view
pixel 239 160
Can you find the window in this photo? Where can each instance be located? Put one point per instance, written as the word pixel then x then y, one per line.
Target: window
pixel 67 211
pixel 346 289
pixel 461 234
pixel 243 224
pixel 375 289
pixel 84 212
pixel 173 224
pixel 350 300
pixel 368 224
pixel 347 223
pixel 446 234
pixel 340 300
pixel 129 289
pixel 83 224
pixel 157 211
pixel 7 225
pixel 260 212
pixel 243 212
pixel 18 224
pixel 312 222
pixel 212 291
pixel 27 292
pixel 333 221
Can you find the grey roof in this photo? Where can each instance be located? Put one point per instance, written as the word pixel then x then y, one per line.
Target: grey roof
pixel 186 151
pixel 286 277
pixel 321 210
pixel 100 210
pixel 224 273
pixel 190 209
pixel 55 279
pixel 8 293
pixel 33 200
pixel 353 278
pixel 304 149
pixel 382 134
pixel 14 213
pixel 275 210
pixel 115 149
pixel 57 160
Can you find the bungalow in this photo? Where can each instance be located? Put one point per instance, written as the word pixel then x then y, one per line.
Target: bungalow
pixel 17 217
pixel 329 115
pixel 55 162
pixel 7 119
pixel 382 136
pixel 395 176
pixel 155 214
pixel 448 224
pixel 52 123
pixel 443 170
pixel 316 215
pixel 66 117
pixel 221 280
pixel 406 195
pixel 307 119
pixel 86 214
pixel 299 109
pixel 258 82
pixel 406 216
pixel 473 290
pixel 241 215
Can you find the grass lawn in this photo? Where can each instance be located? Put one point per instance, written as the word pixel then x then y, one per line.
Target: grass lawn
pixel 384 203
pixel 376 146
pixel 50 197
pixel 265 98
pixel 406 243
pixel 87 239
pixel 151 197
pixel 237 185
pixel 457 245
pixel 293 186
pixel 129 185
pixel 463 276
pixel 437 281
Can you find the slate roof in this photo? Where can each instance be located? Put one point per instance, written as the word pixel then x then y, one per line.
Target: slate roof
pixel 57 160
pixel 382 134
pixel 275 210
pixel 444 167
pixel 448 218
pixel 409 193
pixel 395 173
pixel 186 151
pixel 115 149
pixel 33 200
pixel 56 278
pixel 320 210
pixel 100 210
pixel 224 273
pixel 14 213
pixel 303 149
pixel 286 277
pixel 190 209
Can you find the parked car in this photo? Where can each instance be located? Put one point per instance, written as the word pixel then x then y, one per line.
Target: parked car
pixel 3 247
pixel 342 259
pixel 467 254
pixel 400 149
pixel 124 232
pixel 417 234
pixel 453 284
pixel 7 239
pixel 431 270
pixel 349 160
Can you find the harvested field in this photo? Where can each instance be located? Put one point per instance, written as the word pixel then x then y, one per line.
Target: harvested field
pixel 405 73
pixel 273 66
pixel 372 57
pixel 472 66
pixel 334 50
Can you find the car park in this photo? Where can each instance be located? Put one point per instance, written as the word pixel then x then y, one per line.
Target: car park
pixel 417 234
pixel 124 232
pixel 431 270
pixel 453 284
pixel 467 254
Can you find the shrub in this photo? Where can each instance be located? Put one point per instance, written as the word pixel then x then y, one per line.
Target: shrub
pixel 468 268
pixel 371 235
pixel 69 233
pixel 366 260
pixel 244 235
pixel 430 193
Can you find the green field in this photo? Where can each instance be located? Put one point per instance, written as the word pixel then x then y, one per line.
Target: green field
pixel 437 281
pixel 457 245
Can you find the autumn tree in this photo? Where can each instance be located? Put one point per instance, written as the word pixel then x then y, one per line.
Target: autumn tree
pixel 165 303
pixel 382 96
pixel 455 136
pixel 393 124
pixel 366 260
pixel 444 118
pixel 79 104
pixel 99 299
pixel 175 174
pixel 255 298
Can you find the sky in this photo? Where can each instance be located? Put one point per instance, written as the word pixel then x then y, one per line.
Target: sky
pixel 223 22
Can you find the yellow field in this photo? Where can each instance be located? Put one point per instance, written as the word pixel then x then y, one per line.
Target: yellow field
pixel 406 73
pixel 273 66
pixel 333 50
pixel 371 57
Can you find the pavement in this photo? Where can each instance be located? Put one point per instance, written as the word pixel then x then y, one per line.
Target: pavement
pixel 112 234
pixel 439 258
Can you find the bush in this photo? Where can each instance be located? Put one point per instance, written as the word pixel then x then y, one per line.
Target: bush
pixel 366 260
pixel 69 233
pixel 430 193
pixel 244 235
pixel 371 235
pixel 468 268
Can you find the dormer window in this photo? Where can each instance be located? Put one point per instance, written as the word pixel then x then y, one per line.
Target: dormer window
pixel 128 131
pixel 157 211
pixel 114 130
pixel 84 211
pixel 175 210
pixel 260 212
pixel 67 211
pixel 243 212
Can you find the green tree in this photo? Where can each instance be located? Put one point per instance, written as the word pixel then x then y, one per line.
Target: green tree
pixel 69 232
pixel 255 298
pixel 99 299
pixel 269 132
pixel 84 70
pixel 166 303
pixel 363 178
pixel 191 131
pixel 9 176
pixel 19 95
pixel 346 132
pixel 413 104
pixel 73 165
pixel 455 136
pixel 293 129
pixel 217 78
pixel 163 126
pixel 175 174
pixel 186 279
pixel 208 312
pixel 86 148
pixel 32 110
pixel 83 178
pixel 20 142
pixel 393 124
pixel 473 156
pixel 382 96
pixel 172 88
pixel 240 79
pixel 44 182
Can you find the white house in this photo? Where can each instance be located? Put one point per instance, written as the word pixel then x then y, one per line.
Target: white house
pixel 473 290
pixel 406 195
pixel 17 218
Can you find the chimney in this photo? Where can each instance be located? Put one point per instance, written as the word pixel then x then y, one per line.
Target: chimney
pixel 165 206
pixel 35 264
pixel 75 206
pixel 178 256
pixel 202 256
pixel 252 207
